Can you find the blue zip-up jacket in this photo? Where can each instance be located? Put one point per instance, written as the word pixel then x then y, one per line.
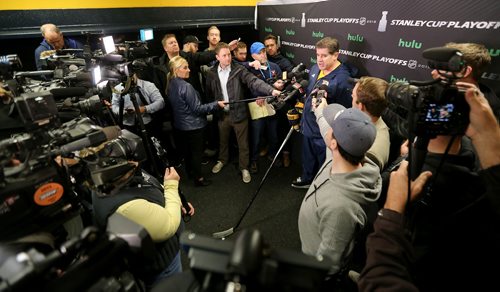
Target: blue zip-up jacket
pixel 339 91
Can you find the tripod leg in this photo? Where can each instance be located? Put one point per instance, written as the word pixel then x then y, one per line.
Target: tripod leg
pixel 228 232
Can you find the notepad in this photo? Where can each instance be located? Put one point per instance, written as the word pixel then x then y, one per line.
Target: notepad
pixel 257 112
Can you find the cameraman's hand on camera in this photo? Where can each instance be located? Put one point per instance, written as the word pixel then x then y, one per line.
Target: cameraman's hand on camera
pixel 397 194
pixel 171 174
pixel 279 84
pixel 191 210
pixel 276 93
pixel 221 103
pixel 483 127
pixel 142 109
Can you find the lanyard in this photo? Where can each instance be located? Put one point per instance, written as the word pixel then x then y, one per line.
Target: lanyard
pixel 269 68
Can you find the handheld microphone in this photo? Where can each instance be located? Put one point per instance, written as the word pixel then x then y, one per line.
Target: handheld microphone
pixel 320 94
pixel 298 88
pixel 93 139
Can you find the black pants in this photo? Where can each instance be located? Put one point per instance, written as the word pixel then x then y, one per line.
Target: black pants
pixel 191 143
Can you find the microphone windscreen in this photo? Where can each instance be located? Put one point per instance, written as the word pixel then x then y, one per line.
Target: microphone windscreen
pixel 112 132
pixel 323 87
pixel 440 54
pixel 304 83
pixel 68 92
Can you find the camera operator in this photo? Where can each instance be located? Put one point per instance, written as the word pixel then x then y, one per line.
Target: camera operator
pixel 477 59
pixel 141 198
pixel 331 73
pixel 390 254
pixel 149 100
pixel 53 39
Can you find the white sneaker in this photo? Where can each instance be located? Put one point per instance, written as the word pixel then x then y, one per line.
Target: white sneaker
pixel 217 167
pixel 245 174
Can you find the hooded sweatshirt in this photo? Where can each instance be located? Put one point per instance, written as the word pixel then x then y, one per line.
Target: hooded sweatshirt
pixel 335 208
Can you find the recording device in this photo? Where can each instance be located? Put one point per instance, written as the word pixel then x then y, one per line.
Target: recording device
pixel 295 89
pixel 299 72
pixel 97 260
pixel 252 265
pixel 435 107
pixel 320 94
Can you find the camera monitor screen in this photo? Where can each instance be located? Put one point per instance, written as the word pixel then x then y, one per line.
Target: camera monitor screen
pixel 146 34
pixel 439 112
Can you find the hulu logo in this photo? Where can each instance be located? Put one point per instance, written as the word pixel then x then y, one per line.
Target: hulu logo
pixel 289 32
pixel 290 55
pixel 268 29
pixel 407 44
pixel 313 60
pixel 318 34
pixel 355 38
pixel 395 79
pixel 494 52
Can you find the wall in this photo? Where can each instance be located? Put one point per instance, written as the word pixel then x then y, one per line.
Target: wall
pixel 392 51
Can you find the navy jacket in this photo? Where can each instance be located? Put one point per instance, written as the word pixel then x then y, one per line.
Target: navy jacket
pixel 69 43
pixel 339 91
pixel 189 113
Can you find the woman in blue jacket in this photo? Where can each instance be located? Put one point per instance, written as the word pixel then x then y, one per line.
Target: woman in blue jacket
pixel 189 116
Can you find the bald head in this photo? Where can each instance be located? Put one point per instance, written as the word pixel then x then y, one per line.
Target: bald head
pixel 52 35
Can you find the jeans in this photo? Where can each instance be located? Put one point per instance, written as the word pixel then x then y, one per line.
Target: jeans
pixel 175 267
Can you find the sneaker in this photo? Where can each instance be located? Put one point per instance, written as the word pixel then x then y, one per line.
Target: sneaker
pixel 263 152
pixel 205 160
pixel 210 152
pixel 246 176
pixel 217 167
pixel 298 183
pixel 353 275
pixel 254 168
pixel 286 159
pixel 202 182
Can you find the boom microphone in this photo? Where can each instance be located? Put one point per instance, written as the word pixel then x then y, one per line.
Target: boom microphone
pixel 93 139
pixel 297 88
pixel 59 93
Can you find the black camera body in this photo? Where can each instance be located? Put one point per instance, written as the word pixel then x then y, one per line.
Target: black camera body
pixel 434 107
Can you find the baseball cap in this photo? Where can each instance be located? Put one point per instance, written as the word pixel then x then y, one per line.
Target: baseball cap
pixel 256 47
pixel 353 129
pixel 191 39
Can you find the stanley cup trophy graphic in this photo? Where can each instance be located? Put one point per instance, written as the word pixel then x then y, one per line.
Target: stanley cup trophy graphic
pixel 303 20
pixel 382 24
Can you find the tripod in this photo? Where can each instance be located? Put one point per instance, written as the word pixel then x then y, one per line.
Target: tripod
pixel 131 88
pixel 230 231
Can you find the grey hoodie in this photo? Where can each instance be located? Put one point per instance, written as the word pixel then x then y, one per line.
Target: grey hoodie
pixel 335 209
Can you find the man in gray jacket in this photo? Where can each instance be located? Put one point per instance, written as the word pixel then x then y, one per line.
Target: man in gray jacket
pixel 341 200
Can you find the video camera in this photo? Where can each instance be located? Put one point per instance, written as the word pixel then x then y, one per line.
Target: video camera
pixel 434 107
pixel 97 260
pixel 36 191
pixel 251 265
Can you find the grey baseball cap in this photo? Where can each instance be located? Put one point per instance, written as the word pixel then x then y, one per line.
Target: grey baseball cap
pixel 352 128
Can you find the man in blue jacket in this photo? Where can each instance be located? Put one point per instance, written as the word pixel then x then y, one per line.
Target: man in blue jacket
pixel 331 78
pixel 53 39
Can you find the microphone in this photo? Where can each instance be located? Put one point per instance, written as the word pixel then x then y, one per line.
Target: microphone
pixel 319 95
pixel 59 93
pixel 442 58
pixel 298 88
pixel 111 58
pixel 93 139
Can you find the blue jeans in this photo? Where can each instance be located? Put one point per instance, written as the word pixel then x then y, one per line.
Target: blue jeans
pixel 175 267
